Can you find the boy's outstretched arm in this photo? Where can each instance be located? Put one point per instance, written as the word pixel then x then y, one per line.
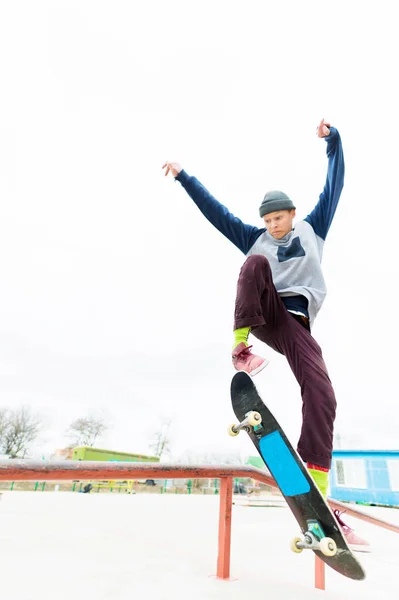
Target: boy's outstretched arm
pixel 322 215
pixel 243 236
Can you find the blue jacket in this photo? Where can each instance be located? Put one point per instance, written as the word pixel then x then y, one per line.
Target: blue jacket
pixel 295 259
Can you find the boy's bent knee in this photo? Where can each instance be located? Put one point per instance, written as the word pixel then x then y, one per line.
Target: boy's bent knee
pixel 256 260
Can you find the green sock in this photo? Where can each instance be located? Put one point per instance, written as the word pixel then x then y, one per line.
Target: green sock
pixel 241 335
pixel 321 480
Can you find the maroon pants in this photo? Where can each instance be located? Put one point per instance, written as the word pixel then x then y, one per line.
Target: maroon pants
pixel 259 306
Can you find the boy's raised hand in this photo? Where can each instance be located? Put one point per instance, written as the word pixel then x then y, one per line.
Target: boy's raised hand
pixel 172 167
pixel 323 130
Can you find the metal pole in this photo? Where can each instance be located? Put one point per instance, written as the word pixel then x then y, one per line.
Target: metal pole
pixel 319 574
pixel 225 509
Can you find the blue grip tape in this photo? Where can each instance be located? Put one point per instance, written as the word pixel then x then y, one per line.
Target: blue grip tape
pixel 283 465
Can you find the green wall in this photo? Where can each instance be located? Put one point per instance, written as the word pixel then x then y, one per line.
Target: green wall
pixel 89 453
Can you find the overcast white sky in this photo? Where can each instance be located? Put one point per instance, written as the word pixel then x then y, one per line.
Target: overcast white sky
pixel 116 295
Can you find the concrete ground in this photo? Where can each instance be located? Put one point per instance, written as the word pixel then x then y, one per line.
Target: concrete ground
pixel 164 547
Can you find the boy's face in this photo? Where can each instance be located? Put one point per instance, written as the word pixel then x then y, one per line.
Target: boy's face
pixel 279 223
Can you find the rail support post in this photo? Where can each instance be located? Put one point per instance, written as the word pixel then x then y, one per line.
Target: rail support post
pixel 319 574
pixel 225 510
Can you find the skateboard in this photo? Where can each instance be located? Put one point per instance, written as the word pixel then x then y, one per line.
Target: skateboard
pixel 321 532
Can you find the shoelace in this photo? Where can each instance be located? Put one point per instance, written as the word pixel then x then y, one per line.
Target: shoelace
pixel 243 352
pixel 338 514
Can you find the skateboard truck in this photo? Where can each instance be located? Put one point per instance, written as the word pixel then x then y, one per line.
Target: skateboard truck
pixel 314 539
pixel 252 419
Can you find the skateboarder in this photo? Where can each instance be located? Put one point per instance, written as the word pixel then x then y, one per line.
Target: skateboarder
pixel 280 291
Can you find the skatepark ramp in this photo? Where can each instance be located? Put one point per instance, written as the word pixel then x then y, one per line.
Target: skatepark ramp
pixel 29 470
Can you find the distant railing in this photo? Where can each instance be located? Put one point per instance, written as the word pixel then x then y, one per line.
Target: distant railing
pixel 28 470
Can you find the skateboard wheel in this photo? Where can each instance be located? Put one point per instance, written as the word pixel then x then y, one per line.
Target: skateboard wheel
pixel 293 545
pixel 254 418
pixel 328 547
pixel 231 431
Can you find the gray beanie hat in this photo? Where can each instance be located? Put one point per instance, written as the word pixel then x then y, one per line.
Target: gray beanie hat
pixel 275 200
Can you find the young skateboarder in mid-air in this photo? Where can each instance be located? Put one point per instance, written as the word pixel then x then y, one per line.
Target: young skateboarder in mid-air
pixel 280 291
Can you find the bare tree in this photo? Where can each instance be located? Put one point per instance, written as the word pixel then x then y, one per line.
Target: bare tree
pixel 161 439
pixel 3 424
pixel 18 429
pixel 86 430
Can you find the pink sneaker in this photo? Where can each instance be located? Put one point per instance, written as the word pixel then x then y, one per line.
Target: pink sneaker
pixel 354 542
pixel 244 360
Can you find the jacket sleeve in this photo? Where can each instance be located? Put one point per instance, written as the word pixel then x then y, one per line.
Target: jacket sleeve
pixel 323 213
pixel 243 236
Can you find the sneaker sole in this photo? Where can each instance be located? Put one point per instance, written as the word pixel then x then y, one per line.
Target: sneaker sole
pixel 359 548
pixel 260 368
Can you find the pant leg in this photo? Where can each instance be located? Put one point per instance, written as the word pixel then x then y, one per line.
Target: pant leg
pixel 257 300
pixel 305 358
pixel 259 306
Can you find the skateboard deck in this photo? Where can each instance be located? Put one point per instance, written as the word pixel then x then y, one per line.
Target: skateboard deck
pixel 314 516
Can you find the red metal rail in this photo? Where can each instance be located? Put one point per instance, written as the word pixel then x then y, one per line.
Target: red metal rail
pixel 28 470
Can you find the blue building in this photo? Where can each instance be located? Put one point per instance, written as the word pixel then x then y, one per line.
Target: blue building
pixel 369 476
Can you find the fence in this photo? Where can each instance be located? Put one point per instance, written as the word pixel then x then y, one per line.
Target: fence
pixel 27 470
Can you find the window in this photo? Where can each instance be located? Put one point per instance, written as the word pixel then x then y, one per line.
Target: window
pixel 393 470
pixel 351 473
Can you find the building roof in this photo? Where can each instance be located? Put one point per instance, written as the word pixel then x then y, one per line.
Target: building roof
pixel 364 453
